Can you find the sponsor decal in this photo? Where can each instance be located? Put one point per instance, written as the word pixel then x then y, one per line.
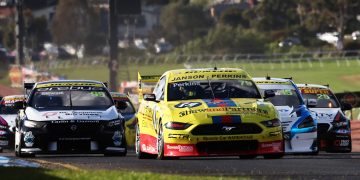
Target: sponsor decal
pixel 271 144
pixel 178 136
pixel 185 84
pixel 224 138
pixel 117 138
pixel 50 114
pixel 342 131
pixel 226 119
pixel 69 84
pixel 148 148
pixel 219 102
pixel 272 82
pixel 73 127
pixel 74 121
pixel 228 110
pixel 188 104
pixel 314 91
pixel 181 148
pixel 4 143
pixel 188 77
pixel 208 71
pixel 29 139
pixel 341 142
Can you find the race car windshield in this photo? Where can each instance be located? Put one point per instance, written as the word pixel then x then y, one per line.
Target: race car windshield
pixel 77 98
pixel 7 109
pixel 285 95
pixel 325 99
pixel 215 89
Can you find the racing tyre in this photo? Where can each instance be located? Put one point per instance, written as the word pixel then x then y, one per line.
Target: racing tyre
pixel 274 156
pixel 160 143
pixel 18 147
pixel 139 154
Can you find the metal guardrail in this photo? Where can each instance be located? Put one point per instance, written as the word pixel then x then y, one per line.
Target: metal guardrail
pixel 305 57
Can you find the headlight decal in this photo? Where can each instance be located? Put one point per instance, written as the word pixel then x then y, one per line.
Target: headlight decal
pixel 271 123
pixel 33 124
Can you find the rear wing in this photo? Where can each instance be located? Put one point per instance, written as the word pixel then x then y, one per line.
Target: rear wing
pixel 146 84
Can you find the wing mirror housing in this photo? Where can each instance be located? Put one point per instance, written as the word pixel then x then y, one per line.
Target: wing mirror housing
pixel 19 105
pixel 149 97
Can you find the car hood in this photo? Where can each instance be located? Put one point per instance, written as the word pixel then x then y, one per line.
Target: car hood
pixel 291 116
pixel 207 111
pixel 108 114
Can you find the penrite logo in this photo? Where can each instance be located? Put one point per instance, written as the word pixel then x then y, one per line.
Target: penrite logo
pixel 228 128
pixel 73 127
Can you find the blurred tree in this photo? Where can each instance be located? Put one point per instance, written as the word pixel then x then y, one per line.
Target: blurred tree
pixel 182 23
pixel 71 23
pixel 9 36
pixel 227 40
pixel 37 32
pixel 234 18
pixel 273 15
pixel 329 15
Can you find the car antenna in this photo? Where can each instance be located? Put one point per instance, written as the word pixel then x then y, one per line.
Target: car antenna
pixel 268 77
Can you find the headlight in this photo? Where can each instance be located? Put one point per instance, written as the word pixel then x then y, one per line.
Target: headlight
pixel 271 123
pixel 307 122
pixel 114 123
pixel 177 125
pixel 33 124
pixel 340 120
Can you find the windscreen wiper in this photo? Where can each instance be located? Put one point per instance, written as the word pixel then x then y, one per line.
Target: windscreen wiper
pixel 70 99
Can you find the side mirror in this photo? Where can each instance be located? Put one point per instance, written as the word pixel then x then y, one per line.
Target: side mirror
pixel 19 105
pixel 269 94
pixel 311 103
pixel 346 106
pixel 121 105
pixel 149 97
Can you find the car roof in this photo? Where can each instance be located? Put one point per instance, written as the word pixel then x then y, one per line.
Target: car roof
pixel 69 83
pixel 312 86
pixel 270 80
pixel 203 73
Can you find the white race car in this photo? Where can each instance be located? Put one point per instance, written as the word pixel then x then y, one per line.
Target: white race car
pixel 334 130
pixel 299 127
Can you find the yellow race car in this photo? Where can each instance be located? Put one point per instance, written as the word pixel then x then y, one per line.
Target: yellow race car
pixel 207 112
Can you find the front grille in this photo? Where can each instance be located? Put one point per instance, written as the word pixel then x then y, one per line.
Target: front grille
pixel 226 146
pixel 73 129
pixel 226 129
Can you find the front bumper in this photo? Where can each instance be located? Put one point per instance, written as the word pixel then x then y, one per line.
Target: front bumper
pixel 335 139
pixel 6 138
pixel 247 141
pixel 73 137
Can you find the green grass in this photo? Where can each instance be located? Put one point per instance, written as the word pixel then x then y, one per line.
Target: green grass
pixel 13 173
pixel 344 76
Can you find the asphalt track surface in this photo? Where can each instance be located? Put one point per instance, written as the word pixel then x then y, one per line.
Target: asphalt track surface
pixel 323 166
